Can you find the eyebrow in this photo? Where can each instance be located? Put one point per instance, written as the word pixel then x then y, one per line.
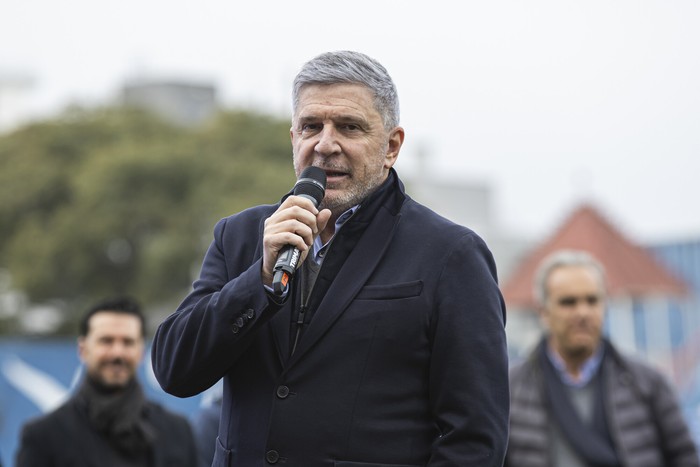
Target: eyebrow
pixel 345 118
pixel 572 300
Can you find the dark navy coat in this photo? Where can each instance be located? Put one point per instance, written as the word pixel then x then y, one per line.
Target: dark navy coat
pixel 403 364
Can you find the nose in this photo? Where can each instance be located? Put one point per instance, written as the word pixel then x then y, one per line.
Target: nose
pixel 584 310
pixel 117 349
pixel 327 141
pixel 581 310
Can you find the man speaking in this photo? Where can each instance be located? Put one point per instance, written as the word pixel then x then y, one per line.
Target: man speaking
pixel 386 347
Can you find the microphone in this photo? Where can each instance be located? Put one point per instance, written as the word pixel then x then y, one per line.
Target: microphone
pixel 311 185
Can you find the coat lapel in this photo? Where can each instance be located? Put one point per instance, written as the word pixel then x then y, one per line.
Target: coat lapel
pixel 350 279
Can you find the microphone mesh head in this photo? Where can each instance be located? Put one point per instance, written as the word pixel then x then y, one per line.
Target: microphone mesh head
pixel 312 184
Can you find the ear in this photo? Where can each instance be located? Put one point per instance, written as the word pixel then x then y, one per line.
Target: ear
pixel 544 316
pixel 393 147
pixel 81 348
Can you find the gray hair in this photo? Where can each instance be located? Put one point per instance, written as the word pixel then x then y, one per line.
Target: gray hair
pixel 351 67
pixel 563 258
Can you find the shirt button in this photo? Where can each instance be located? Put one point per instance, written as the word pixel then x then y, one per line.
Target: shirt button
pixel 272 456
pixel 282 392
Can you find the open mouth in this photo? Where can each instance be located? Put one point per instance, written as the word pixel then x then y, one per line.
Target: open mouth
pixel 118 365
pixel 335 175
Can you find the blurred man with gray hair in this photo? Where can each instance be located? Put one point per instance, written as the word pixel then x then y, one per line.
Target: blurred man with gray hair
pixel 576 401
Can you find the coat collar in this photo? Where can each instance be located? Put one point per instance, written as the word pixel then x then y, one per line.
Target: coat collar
pixel 381 214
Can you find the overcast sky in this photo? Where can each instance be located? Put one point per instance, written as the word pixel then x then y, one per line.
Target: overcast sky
pixel 549 102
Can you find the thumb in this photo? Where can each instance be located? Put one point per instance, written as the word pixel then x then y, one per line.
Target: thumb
pixel 322 219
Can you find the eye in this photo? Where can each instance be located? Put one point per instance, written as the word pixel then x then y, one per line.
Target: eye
pixel 568 302
pixel 572 301
pixel 310 127
pixel 592 300
pixel 351 127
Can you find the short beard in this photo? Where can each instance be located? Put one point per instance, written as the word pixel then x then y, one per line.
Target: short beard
pixel 579 353
pixel 104 388
pixel 96 378
pixel 356 193
pixel 354 196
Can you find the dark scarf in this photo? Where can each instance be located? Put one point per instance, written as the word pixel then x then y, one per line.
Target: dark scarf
pixel 118 416
pixel 388 195
pixel 591 441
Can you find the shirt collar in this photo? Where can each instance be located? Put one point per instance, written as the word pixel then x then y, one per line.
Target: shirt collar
pixel 319 248
pixel 588 369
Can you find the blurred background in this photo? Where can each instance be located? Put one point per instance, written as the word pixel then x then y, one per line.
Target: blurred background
pixel 128 128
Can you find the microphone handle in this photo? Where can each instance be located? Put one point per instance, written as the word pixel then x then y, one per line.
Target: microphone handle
pixel 284 268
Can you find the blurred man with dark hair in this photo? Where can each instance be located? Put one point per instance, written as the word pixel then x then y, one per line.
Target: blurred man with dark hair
pixel 108 422
pixel 576 401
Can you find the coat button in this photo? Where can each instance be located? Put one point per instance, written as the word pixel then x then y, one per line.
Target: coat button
pixel 272 456
pixel 235 329
pixel 282 391
pixel 240 321
pixel 250 313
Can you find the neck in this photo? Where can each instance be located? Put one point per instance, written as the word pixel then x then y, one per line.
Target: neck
pixel 327 233
pixel 573 361
pixel 573 368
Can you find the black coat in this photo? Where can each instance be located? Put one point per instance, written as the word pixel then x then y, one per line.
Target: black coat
pixel 63 438
pixel 403 364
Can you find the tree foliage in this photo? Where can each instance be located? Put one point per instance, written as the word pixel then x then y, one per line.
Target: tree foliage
pixel 116 201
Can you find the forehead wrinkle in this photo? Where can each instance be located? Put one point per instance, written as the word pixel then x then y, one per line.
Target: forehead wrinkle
pixel 322 101
pixel 333 113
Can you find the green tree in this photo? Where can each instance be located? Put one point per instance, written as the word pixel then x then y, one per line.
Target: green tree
pixel 116 201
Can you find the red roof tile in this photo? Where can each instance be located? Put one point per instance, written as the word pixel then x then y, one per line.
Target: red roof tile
pixel 631 270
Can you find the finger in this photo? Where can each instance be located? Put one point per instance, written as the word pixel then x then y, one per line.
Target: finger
pixel 300 201
pixel 294 213
pixel 301 238
pixel 322 220
pixel 304 227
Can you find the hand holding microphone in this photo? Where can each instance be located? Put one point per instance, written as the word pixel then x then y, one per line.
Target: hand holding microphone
pixel 311 185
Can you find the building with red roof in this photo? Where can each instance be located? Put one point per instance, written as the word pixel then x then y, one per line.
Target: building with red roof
pixel 652 311
pixel 631 270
